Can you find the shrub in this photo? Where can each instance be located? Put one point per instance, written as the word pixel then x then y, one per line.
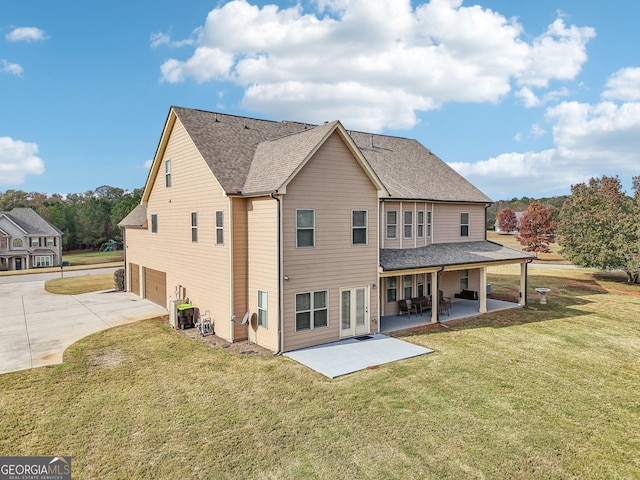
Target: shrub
pixel 118 279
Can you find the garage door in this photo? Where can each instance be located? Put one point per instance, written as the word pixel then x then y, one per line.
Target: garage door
pixel 134 277
pixel 155 286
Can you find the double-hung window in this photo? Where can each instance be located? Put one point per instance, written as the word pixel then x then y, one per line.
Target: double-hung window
pixel 34 242
pixel 194 226
pixel 305 228
pixel 359 227
pixel 420 224
pixel 408 223
pixel 219 227
pixel 262 308
pixel 392 289
pixel 50 242
pixel 392 224
pixel 167 172
pixel 408 286
pixel 154 223
pixel 464 224
pixel 312 310
pixel 429 224
pixel 463 275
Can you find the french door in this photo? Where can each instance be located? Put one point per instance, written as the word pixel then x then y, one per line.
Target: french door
pixel 354 311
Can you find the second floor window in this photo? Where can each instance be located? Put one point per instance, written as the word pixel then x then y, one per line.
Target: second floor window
pixel 305 228
pixel 154 223
pixel 392 224
pixel 428 224
pixel 420 224
pixel 359 227
pixel 464 224
pixel 17 243
pixel 408 224
pixel 219 227
pixel 167 172
pixel 194 226
pixel 35 242
pixel 51 242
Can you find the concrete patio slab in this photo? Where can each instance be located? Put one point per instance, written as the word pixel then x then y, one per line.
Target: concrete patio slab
pixel 351 355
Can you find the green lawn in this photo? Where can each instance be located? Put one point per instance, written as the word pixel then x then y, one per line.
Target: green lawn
pixel 93 258
pixel 78 285
pixel 545 392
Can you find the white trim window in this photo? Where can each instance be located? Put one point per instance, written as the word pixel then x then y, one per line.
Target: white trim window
pixel 219 227
pixel 262 308
pixel 408 223
pixel 463 277
pixel 50 242
pixel 408 286
pixel 420 224
pixel 154 223
pixel 429 222
pixel 359 234
pixel 194 226
pixel 42 261
pixel 167 172
pixel 17 243
pixel 464 224
pixel 420 284
pixel 392 289
pixel 392 224
pixel 312 310
pixel 34 242
pixel 305 228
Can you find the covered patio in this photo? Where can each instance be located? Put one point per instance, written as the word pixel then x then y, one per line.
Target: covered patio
pixel 459 309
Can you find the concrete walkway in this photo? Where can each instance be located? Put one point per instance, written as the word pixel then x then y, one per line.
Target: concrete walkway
pixel 36 326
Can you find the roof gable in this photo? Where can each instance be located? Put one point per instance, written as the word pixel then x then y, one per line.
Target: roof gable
pixel 29 222
pixel 253 156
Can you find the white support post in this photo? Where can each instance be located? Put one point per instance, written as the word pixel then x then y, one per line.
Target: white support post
pixel 483 290
pixel 523 284
pixel 434 297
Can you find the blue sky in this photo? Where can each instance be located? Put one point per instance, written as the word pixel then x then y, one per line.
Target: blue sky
pixel 522 98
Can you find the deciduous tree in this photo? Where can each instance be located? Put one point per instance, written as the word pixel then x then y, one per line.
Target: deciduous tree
pixel 537 229
pixel 507 220
pixel 599 226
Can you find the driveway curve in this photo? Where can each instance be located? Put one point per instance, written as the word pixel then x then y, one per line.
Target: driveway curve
pixel 36 326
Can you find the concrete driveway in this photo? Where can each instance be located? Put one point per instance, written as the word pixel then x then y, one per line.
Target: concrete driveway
pixel 36 326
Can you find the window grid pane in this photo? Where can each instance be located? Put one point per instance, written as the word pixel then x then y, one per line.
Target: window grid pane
pixel 392 224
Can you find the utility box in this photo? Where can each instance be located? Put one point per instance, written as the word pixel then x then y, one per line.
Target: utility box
pixel 186 314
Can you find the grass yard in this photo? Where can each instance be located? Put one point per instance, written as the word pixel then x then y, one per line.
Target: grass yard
pixel 94 258
pixel 545 392
pixel 78 285
pixel 511 242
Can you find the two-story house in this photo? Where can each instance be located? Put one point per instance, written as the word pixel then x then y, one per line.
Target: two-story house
pixel 28 241
pixel 311 232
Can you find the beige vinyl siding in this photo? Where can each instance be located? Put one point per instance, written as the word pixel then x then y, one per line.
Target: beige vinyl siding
pixel 238 239
pixel 332 184
pixel 201 268
pixel 262 246
pixel 446 222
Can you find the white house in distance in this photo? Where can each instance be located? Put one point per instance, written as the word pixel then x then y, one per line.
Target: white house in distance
pixel 313 232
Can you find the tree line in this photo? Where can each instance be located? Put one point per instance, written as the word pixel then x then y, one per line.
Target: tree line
pixel 597 226
pixel 86 219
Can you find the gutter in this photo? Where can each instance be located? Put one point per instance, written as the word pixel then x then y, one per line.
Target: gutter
pixel 280 280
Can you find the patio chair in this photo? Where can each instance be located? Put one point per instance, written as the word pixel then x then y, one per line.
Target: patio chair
pixel 406 306
pixel 444 303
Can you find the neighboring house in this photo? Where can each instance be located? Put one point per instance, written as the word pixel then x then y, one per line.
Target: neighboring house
pixel 313 231
pixel 497 228
pixel 28 241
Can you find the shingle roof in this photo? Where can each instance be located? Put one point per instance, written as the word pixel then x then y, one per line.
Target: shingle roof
pixel 31 222
pixel 251 155
pixel 442 254
pixel 136 217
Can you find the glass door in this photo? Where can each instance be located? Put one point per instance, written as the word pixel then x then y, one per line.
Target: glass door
pixel 354 311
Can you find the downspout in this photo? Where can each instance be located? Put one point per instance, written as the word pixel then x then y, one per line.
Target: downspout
pixel 127 287
pixel 280 281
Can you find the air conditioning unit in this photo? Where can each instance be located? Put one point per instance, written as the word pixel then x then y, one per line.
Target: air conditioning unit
pixel 173 312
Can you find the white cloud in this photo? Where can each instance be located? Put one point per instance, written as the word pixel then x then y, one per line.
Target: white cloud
pixel 11 68
pixel 623 85
pixel 590 140
pixel 147 164
pixel 381 57
pixel 159 38
pixel 17 160
pixel 26 34
pixel 537 131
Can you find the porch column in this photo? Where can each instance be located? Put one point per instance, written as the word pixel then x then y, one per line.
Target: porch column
pixel 483 290
pixel 522 300
pixel 434 297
